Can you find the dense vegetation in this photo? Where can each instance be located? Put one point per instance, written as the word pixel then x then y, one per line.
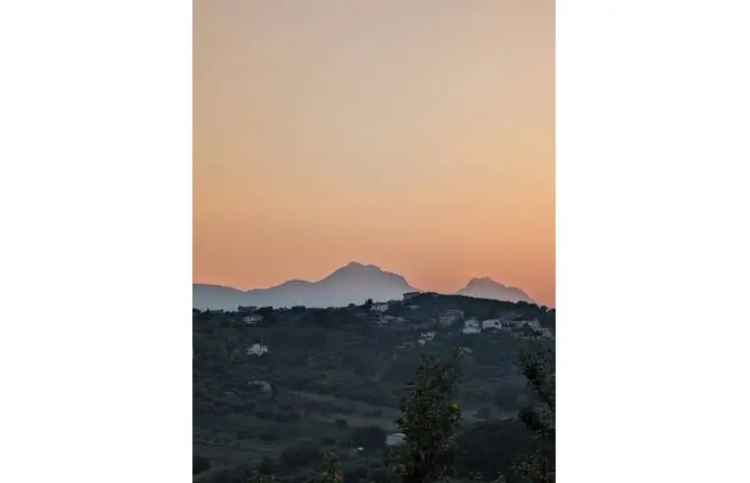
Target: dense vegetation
pixel 334 383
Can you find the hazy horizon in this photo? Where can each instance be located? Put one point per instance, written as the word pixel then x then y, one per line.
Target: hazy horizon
pixel 351 262
pixel 417 137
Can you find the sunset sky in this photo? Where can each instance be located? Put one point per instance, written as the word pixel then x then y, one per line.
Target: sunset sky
pixel 414 135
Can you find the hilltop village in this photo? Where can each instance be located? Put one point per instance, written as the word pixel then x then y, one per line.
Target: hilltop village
pixel 273 383
pixel 408 315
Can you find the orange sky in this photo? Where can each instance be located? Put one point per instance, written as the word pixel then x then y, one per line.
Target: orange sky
pixel 417 136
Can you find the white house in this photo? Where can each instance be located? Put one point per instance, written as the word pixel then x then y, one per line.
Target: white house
pixel 491 324
pixel 388 319
pixel 546 333
pixel 262 386
pixel 252 319
pixel 379 307
pixel 449 317
pixel 395 439
pixel 471 326
pixel 426 337
pixel 534 324
pixel 257 350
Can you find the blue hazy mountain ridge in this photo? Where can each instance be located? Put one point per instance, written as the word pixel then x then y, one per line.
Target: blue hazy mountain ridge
pixel 486 288
pixel 353 283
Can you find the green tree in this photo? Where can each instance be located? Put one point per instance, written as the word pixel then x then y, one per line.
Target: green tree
pixel 538 366
pixel 430 418
pixel 537 363
pixel 300 455
pixel 266 466
pixel 330 471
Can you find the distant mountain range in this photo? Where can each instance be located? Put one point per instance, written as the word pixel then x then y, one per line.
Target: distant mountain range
pixel 486 288
pixel 353 283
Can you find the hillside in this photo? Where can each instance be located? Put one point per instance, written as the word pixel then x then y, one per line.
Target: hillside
pixel 271 384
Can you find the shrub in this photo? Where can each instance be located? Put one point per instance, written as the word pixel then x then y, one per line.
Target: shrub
pixel 330 471
pixel 300 455
pixel 356 474
pixel 266 466
pixel 489 448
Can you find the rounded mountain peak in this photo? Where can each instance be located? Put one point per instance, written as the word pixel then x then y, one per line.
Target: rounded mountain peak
pixel 355 272
pixel 482 281
pixel 358 267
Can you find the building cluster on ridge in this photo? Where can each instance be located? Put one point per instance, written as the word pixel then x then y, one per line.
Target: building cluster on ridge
pixel 445 319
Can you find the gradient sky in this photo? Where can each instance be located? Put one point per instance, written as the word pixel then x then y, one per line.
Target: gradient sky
pixel 414 135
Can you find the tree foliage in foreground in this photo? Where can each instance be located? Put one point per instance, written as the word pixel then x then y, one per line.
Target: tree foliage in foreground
pixel 538 365
pixel 430 418
pixel 330 471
